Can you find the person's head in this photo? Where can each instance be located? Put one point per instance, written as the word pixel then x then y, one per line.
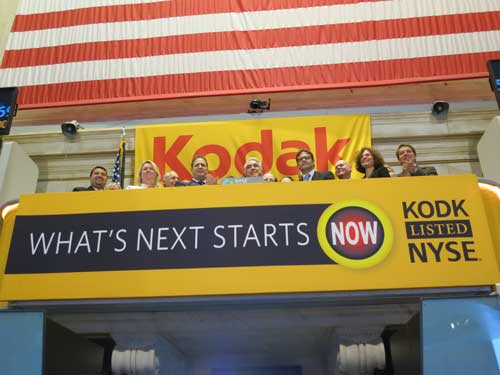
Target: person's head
pixel 199 167
pixel 253 167
pixel 368 158
pixel 269 177
pixel 149 174
pixel 305 161
pixel 406 154
pixel 98 177
pixel 343 170
pixel 170 178
pixel 287 179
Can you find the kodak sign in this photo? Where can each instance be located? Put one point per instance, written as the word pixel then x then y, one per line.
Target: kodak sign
pixel 227 144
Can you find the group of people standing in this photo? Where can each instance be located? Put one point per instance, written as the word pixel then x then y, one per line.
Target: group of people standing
pixel 369 162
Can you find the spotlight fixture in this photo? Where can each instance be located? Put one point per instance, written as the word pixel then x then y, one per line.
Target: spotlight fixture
pixel 7 207
pixel 440 110
pixel 70 128
pixel 259 106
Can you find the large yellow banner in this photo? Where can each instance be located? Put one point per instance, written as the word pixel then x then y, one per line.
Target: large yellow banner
pixel 414 232
pixel 227 144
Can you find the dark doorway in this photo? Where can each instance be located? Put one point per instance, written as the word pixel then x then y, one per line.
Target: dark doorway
pixel 259 370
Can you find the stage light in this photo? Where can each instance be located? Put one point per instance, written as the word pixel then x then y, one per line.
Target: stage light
pixel 6 208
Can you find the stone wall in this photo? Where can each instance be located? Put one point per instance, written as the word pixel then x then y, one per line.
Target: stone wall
pixel 450 146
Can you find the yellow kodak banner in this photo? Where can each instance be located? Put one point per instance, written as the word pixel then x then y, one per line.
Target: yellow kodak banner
pixel 227 144
pixel 415 232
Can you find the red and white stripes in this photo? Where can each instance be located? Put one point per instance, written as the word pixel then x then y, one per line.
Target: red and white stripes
pixel 118 50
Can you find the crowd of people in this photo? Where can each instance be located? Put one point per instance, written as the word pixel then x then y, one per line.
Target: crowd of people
pixel 369 162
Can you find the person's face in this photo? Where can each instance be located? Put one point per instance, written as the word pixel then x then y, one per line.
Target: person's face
pixel 253 169
pixel 305 162
pixel 269 177
pixel 98 178
pixel 342 169
pixel 199 169
pixel 406 156
pixel 172 178
pixel 367 159
pixel 148 174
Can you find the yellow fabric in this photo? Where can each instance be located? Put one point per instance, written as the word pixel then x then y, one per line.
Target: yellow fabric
pixel 275 142
pixel 459 261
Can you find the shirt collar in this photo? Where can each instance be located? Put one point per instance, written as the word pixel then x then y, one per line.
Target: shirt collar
pixel 310 174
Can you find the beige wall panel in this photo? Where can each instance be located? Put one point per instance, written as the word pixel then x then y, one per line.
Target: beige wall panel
pixel 8 12
pixel 87 141
pixel 406 125
pixel 450 146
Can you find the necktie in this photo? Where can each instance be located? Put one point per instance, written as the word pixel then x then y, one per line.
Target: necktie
pixel 307 177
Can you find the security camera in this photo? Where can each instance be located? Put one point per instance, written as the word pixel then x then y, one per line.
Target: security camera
pixel 70 128
pixel 257 105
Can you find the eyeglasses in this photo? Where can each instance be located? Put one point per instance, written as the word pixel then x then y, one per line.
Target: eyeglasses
pixel 254 165
pixel 302 158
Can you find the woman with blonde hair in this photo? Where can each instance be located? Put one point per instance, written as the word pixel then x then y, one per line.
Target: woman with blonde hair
pixel 148 176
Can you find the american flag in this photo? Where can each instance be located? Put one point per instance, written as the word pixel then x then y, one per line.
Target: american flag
pixel 96 51
pixel 119 168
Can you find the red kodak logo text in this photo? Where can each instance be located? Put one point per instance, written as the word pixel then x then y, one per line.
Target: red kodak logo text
pixel 168 157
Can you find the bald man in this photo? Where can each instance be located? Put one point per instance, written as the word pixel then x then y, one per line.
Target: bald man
pixel 343 170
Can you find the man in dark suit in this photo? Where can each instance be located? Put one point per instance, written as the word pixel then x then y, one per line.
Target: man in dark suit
pixel 305 162
pixel 199 171
pixel 98 179
pixel 407 157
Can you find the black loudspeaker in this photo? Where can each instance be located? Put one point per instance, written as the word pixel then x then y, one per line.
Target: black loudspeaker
pixel 494 70
pixel 8 108
pixel 440 110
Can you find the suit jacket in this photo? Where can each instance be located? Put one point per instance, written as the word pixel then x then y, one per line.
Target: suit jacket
pixel 323 176
pixel 81 188
pixel 422 171
pixel 320 176
pixel 380 172
pixel 189 183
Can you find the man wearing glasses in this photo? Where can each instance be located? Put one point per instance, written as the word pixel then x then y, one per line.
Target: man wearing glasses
pixel 305 163
pixel 253 167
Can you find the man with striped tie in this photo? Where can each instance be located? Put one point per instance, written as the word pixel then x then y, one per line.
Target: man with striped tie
pixel 305 163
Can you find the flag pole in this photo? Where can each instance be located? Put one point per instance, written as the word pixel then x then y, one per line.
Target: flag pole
pixel 122 161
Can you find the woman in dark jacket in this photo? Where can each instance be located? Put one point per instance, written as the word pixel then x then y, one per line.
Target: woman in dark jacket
pixel 371 163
